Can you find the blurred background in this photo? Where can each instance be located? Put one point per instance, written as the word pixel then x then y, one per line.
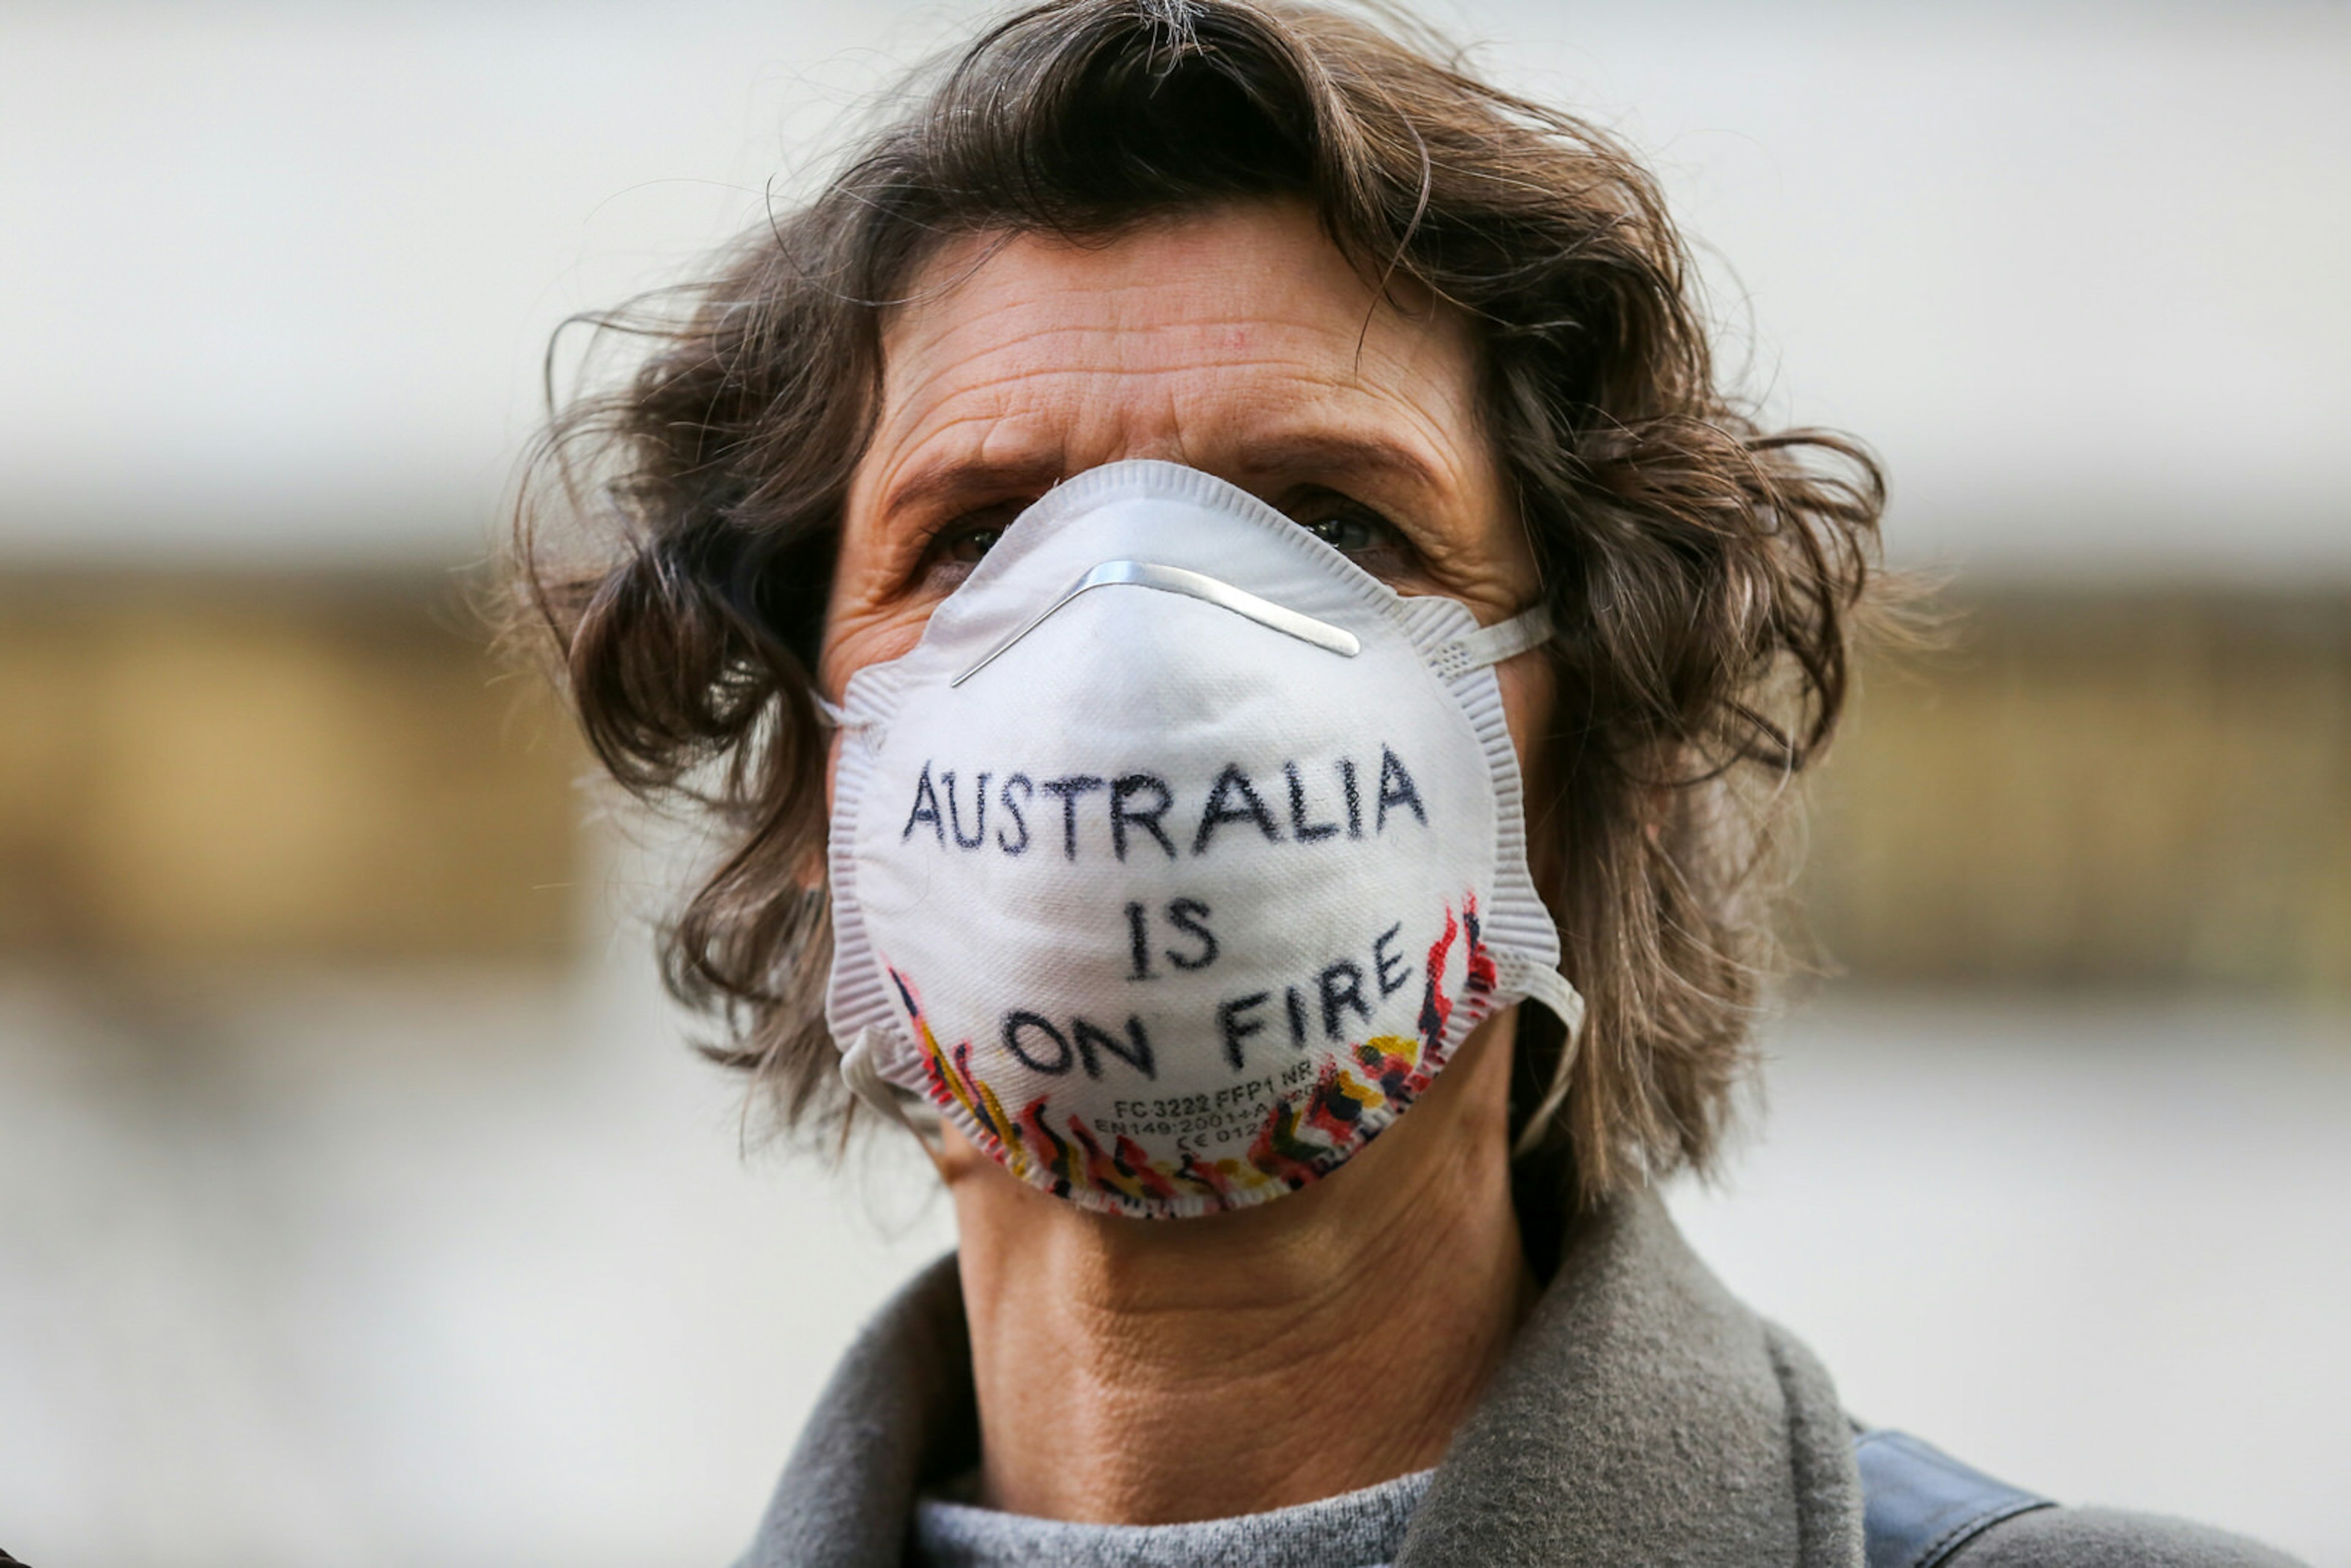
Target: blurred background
pixel 359 1203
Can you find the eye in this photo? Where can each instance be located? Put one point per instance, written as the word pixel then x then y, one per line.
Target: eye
pixel 1351 528
pixel 965 547
pixel 958 545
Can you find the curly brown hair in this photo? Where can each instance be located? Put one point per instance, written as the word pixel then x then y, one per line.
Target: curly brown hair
pixel 1705 576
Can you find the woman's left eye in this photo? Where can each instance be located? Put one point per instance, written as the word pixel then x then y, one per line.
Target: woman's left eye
pixel 1346 525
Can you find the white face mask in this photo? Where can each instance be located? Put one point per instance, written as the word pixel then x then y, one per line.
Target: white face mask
pixel 1181 853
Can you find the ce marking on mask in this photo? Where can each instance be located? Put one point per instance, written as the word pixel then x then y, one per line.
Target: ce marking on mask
pixel 1200 1122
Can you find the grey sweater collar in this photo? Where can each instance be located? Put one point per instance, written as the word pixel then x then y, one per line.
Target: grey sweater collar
pixel 1360 1529
pixel 1642 1415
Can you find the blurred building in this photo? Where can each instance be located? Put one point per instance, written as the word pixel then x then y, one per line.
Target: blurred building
pixel 224 767
pixel 2136 789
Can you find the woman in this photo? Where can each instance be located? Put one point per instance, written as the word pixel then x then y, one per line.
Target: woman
pixel 1226 527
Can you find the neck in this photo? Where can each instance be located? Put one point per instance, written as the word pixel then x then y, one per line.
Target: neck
pixel 1151 1372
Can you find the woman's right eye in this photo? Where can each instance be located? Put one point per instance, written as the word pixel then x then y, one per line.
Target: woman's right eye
pixel 957 548
pixel 965 547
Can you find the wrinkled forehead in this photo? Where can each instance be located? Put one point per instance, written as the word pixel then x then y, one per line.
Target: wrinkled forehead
pixel 1171 337
pixel 1276 250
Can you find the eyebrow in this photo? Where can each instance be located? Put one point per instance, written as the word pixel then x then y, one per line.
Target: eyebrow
pixel 952 476
pixel 1318 452
pixel 1310 451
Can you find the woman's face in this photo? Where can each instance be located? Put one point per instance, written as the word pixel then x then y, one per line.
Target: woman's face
pixel 1235 339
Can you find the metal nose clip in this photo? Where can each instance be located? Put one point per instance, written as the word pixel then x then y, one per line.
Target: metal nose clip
pixel 1192 585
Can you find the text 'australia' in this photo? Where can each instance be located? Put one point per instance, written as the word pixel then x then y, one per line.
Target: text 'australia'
pixel 1142 813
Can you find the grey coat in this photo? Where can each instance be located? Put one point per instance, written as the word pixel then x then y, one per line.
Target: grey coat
pixel 1644 1417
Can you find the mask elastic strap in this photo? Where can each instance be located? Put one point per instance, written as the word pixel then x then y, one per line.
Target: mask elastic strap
pixel 1492 644
pixel 831 714
pixel 864 1079
pixel 1542 984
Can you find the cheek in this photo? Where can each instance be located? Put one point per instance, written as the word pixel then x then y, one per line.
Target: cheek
pixel 849 643
pixel 1529 693
pixel 856 638
pixel 1529 689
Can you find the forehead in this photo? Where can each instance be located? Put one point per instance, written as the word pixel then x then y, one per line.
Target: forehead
pixel 1225 338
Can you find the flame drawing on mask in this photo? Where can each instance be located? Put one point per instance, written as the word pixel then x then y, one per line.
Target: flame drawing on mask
pixel 1304 1134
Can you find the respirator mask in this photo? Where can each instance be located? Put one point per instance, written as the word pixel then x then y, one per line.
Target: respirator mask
pixel 1181 853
